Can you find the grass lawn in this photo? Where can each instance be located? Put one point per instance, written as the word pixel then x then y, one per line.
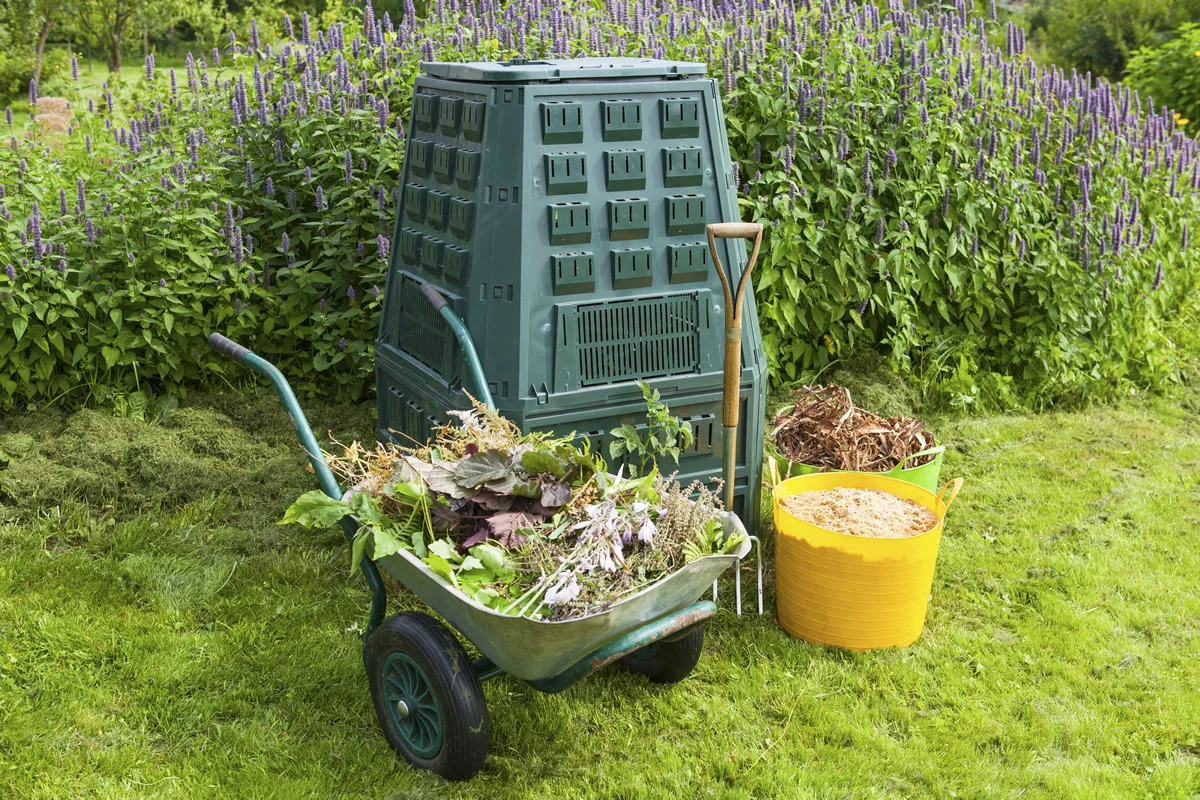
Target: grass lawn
pixel 161 636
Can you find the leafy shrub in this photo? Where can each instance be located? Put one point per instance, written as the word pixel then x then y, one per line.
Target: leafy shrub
pixel 1099 36
pixel 1010 212
pixel 1170 73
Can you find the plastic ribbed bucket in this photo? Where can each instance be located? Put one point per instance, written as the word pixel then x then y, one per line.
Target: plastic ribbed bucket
pixel 852 591
pixel 926 476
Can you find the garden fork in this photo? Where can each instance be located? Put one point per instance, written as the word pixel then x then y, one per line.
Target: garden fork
pixel 730 405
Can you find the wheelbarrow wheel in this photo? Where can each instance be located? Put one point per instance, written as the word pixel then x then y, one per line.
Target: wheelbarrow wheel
pixel 427 696
pixel 668 662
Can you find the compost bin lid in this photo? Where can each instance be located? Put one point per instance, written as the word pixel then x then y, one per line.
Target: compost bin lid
pixel 519 70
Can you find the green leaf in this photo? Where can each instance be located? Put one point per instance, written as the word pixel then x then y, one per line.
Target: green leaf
pixel 444 549
pixel 537 462
pixel 385 543
pixel 357 548
pixel 480 468
pixel 489 555
pixel 442 567
pixel 111 354
pixel 20 324
pixel 315 509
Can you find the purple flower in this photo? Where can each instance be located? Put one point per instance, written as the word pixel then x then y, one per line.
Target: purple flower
pixel 74 68
pixel 89 229
pixel 8 115
pixel 270 186
pixel 880 230
pixel 254 33
pixel 1158 277
pixel 12 272
pixel 162 282
pixel 862 309
pixel 382 245
pixel 287 26
pixel 33 94
pixel 249 174
pixel 342 344
pixel 566 590
pixel 308 174
pixel 285 243
pixel 350 292
pixel 348 168
pixel 80 195
pixel 62 202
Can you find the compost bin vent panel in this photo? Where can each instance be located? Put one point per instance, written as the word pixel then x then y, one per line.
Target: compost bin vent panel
pixel 627 340
pixel 424 335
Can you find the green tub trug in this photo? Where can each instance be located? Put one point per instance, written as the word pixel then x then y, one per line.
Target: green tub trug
pixel 926 476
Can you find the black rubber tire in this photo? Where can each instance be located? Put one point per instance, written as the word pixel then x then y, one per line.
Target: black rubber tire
pixel 453 683
pixel 668 662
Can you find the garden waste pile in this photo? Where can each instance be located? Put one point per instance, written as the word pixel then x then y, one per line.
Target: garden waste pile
pixel 526 524
pixel 824 429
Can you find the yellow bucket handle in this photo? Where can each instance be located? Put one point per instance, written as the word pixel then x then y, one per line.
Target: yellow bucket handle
pixel 957 484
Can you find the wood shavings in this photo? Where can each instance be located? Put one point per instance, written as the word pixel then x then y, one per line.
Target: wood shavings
pixel 861 512
pixel 826 430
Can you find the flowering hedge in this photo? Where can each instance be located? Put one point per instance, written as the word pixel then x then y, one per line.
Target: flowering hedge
pixel 921 188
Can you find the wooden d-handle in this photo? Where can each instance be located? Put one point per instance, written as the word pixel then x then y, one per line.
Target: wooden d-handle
pixel 733 339
pixel 736 230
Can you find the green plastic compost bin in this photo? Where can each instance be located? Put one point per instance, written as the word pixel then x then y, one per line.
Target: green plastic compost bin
pixel 560 207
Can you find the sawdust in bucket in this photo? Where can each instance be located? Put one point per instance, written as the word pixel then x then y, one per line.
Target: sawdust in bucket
pixel 861 512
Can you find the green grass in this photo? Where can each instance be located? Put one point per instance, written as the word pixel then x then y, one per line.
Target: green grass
pixel 160 636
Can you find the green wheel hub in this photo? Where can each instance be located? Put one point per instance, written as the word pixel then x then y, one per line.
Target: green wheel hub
pixel 412 706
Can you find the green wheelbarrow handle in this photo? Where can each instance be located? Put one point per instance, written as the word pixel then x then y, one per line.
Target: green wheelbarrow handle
pixel 242 355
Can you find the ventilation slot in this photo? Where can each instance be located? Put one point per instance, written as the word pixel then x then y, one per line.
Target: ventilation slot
pixel 628 340
pixel 424 335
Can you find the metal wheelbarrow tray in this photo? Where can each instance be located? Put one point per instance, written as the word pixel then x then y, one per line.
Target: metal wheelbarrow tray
pixel 553 654
pixel 427 692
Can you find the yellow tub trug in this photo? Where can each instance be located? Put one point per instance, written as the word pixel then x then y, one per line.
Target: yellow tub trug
pixel 852 591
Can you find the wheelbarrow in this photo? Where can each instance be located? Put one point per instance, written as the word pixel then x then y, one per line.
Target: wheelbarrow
pixel 427 691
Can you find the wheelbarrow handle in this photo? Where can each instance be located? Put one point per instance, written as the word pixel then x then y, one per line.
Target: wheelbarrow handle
pixel 228 348
pixel 435 298
pixel 325 477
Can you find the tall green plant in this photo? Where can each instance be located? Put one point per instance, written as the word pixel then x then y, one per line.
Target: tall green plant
pixel 922 190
